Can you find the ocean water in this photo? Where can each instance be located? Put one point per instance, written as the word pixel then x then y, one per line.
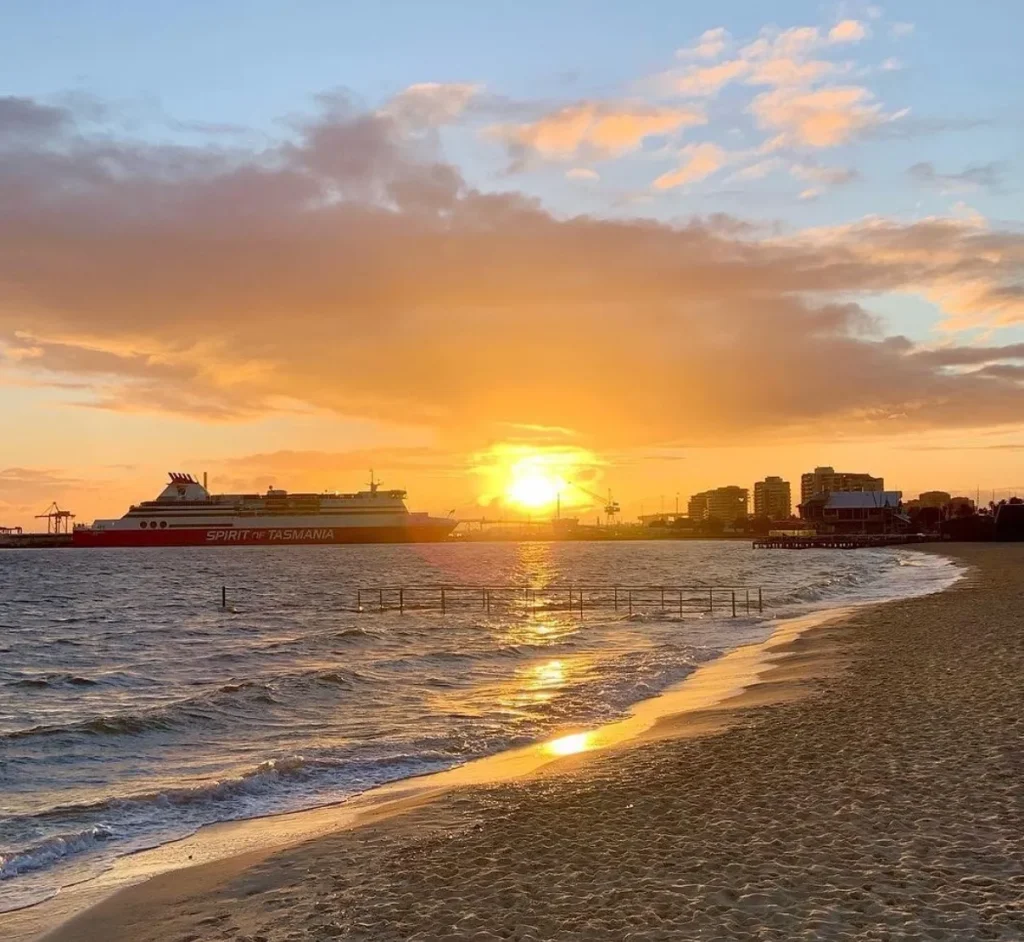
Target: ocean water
pixel 134 709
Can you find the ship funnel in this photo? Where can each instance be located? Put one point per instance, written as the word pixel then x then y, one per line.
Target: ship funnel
pixel 204 481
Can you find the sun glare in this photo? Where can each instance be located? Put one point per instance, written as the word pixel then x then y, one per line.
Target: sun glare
pixel 534 489
pixel 536 478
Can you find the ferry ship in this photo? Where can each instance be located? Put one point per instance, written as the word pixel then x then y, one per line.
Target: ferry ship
pixel 187 514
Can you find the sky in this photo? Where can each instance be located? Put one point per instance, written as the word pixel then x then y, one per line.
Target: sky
pixel 656 247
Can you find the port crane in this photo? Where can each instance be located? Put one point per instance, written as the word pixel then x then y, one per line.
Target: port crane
pixel 57 520
pixel 611 507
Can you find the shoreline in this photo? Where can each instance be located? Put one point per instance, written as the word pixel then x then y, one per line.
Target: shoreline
pixel 716 696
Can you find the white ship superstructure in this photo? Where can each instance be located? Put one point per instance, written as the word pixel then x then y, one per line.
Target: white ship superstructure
pixel 187 514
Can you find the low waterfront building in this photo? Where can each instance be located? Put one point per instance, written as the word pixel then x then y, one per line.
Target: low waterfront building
pixel 856 512
pixel 772 499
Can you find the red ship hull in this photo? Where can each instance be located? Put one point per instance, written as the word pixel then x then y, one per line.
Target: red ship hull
pixel 259 536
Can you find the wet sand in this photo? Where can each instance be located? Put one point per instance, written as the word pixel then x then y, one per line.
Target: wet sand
pixel 870 786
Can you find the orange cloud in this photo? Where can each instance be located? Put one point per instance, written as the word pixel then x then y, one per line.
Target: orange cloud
pixel 825 117
pixel 781 70
pixel 711 44
pixel 971 273
pixel 702 160
pixel 428 104
pixel 847 31
pixel 349 271
pixel 708 80
pixel 596 128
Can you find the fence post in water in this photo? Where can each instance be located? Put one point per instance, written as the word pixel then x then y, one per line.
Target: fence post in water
pixel 359 600
pixel 748 601
pixel 680 603
pixel 760 601
pixel 616 598
pixel 442 600
pixel 630 601
pixel 223 596
pixel 711 600
pixel 663 598
pixel 733 603
pixel 581 603
pixel 401 601
pixel 382 600
pixel 487 600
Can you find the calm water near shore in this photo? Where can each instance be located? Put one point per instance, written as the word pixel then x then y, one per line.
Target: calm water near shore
pixel 133 710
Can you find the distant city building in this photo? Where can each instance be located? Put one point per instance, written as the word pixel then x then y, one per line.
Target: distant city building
pixel 958 506
pixel 772 499
pixel 826 480
pixel 660 519
pixel 941 501
pixel 856 512
pixel 722 503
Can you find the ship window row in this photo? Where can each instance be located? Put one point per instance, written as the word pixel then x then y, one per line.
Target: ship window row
pixel 152 523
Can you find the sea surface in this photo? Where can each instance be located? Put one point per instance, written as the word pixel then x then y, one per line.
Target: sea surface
pixel 134 709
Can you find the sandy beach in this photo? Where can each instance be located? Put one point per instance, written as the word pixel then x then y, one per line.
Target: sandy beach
pixel 871 786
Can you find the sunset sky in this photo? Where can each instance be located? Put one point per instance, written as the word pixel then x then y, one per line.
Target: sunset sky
pixel 668 245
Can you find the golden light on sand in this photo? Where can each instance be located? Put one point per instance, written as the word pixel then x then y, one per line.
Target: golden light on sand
pixel 570 745
pixel 533 479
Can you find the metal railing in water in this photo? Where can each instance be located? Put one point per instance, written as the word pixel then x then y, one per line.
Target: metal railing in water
pixel 575 598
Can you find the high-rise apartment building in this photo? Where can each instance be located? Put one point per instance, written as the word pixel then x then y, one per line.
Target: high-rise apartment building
pixel 772 499
pixel 827 480
pixel 722 503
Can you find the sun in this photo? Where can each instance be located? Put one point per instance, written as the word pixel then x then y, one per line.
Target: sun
pixel 533 488
pixel 535 478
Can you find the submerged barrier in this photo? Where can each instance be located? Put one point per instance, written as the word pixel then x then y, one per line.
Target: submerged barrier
pixel 575 598
pixel 568 598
